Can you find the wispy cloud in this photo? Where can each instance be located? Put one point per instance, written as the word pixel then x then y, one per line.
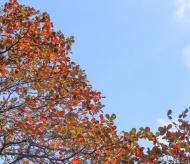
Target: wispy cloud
pixel 186 56
pixel 183 9
pixel 164 122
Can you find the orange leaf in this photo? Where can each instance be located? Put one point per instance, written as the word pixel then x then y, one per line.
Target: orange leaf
pixel 56 70
pixel 23 42
pixel 41 159
pixel 55 40
pixel 25 110
pixel 3 72
pixel 53 56
pixel 81 139
pixel 76 161
pixel 70 125
pixel 28 119
pixel 139 151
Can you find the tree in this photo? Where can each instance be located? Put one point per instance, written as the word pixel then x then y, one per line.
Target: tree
pixel 49 112
pixel 48 107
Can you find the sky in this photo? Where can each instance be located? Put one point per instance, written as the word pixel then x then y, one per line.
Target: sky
pixel 135 52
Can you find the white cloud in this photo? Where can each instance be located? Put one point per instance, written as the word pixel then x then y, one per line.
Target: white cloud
pixel 186 56
pixel 183 9
pixel 164 122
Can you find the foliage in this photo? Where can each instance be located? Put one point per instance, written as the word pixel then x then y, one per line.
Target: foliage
pixel 49 112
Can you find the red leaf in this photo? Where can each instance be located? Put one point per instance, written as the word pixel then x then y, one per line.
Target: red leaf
pixel 60 113
pixel 101 117
pixel 154 139
pixel 43 119
pixel 13 1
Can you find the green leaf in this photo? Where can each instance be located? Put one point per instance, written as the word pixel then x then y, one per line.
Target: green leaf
pixel 51 91
pixel 157 134
pixel 133 130
pixel 108 116
pixel 113 117
pixel 73 131
pixel 147 129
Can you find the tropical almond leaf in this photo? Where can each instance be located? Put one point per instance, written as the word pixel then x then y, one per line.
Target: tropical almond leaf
pixel 113 117
pixel 108 116
pixel 169 126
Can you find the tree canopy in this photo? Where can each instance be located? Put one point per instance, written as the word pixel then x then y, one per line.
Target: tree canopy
pixel 49 112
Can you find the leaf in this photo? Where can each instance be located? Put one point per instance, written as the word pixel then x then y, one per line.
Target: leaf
pixel 133 130
pixel 13 1
pixel 108 116
pixel 147 129
pixel 70 125
pixel 113 117
pixel 3 72
pixel 51 91
pixel 53 56
pixel 186 110
pixel 162 130
pixel 56 70
pixel 76 161
pixel 180 116
pixel 169 126
pixel 157 134
pixel 43 119
pixel 81 139
pixel 29 119
pixel 169 112
pixel 101 117
pixel 154 139
pixel 60 113
pixel 73 131
pixel 31 103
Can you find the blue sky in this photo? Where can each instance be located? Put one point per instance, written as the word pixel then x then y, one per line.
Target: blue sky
pixel 136 52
